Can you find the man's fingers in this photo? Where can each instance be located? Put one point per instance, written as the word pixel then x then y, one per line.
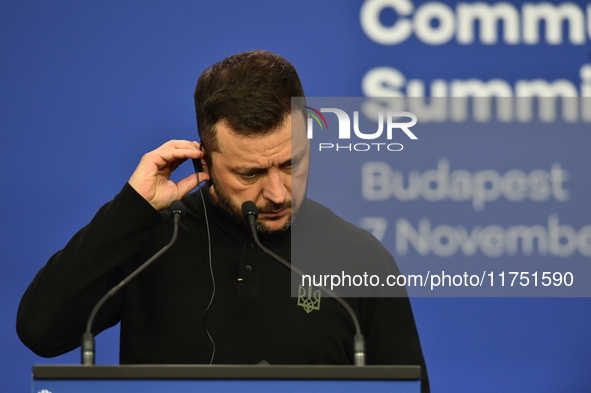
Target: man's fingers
pixel 179 144
pixel 162 158
pixel 151 178
pixel 190 182
pixel 174 150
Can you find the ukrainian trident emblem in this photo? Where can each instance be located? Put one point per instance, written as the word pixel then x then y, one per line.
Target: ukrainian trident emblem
pixel 309 299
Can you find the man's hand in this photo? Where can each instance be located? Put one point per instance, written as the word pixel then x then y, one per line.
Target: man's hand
pixel 151 178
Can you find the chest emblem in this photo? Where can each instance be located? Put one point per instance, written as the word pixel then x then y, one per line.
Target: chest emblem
pixel 309 298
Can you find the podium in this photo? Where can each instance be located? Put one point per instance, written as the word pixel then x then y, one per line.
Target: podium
pixel 226 378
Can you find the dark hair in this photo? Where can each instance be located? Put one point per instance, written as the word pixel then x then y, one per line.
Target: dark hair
pixel 251 92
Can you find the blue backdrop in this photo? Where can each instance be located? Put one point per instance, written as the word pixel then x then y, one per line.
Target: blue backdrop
pixel 88 87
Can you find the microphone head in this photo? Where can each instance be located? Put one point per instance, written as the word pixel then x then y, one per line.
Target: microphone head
pixel 177 207
pixel 249 209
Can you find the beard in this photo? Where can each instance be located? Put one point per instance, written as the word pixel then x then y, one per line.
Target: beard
pixel 236 211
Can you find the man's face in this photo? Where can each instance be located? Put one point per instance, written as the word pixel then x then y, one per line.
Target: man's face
pixel 270 170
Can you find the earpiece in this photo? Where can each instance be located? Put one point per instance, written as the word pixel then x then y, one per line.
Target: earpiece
pixel 199 168
pixel 197 161
pixel 197 165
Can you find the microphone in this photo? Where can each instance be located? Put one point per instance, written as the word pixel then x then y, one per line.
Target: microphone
pixel 177 209
pixel 250 214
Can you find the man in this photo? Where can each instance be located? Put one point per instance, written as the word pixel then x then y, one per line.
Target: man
pixel 214 297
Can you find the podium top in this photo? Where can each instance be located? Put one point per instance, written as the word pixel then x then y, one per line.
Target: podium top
pixel 287 372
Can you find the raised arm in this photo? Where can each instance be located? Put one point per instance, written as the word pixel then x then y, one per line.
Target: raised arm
pixel 54 309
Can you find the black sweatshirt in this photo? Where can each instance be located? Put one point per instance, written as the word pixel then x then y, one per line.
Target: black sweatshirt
pixel 253 316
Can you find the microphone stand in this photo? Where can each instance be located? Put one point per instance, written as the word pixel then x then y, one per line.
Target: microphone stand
pixel 88 350
pixel 250 213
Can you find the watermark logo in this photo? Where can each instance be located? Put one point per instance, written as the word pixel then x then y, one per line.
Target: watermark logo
pixel 387 124
pixel 316 116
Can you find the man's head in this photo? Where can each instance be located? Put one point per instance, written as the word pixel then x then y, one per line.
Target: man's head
pixel 244 109
pixel 251 92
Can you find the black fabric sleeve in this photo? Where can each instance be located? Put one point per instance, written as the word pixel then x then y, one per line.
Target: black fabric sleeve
pixel 54 310
pixel 391 334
